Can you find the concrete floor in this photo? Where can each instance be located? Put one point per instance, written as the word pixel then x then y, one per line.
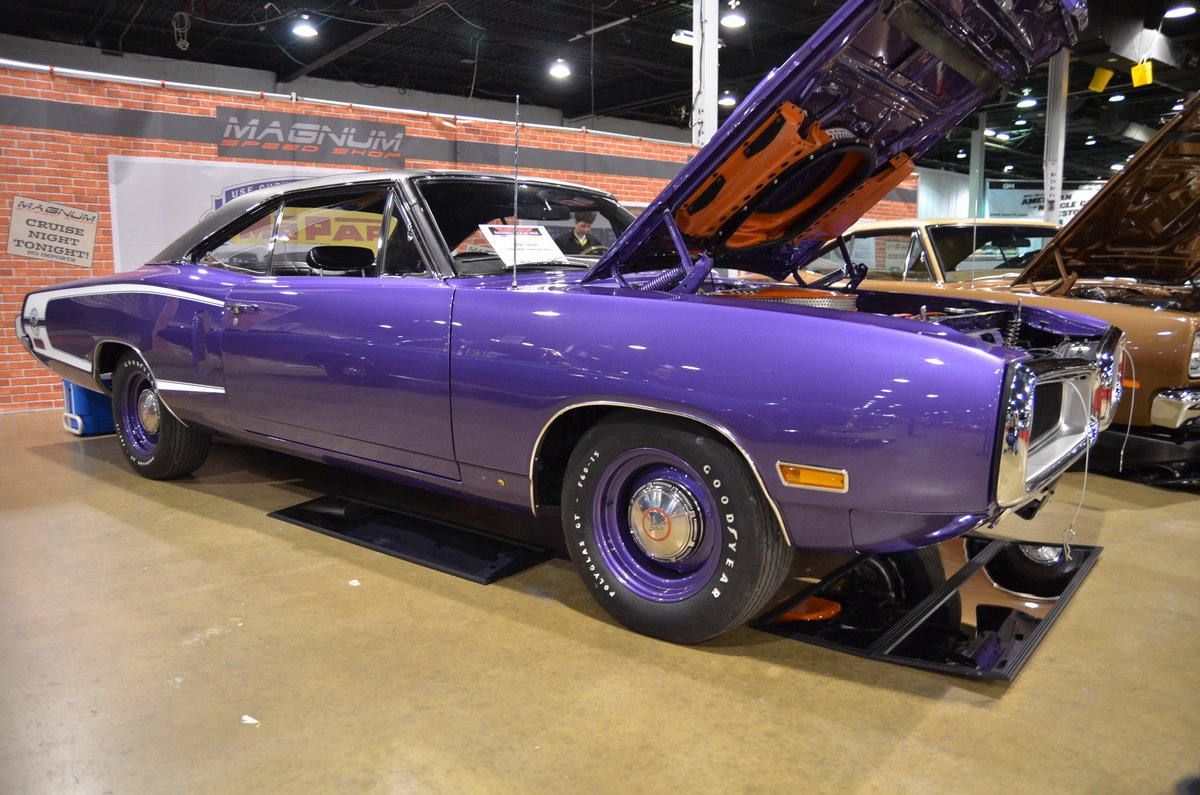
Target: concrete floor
pixel 170 637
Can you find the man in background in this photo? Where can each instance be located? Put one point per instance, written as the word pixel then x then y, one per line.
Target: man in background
pixel 575 241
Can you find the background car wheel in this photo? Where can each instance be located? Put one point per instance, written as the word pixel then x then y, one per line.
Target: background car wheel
pixel 1040 570
pixel 669 530
pixel 155 443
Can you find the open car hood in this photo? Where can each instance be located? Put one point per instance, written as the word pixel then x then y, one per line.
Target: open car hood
pixel 826 135
pixel 1144 223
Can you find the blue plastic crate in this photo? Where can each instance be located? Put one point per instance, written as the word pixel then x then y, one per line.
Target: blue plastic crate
pixel 86 412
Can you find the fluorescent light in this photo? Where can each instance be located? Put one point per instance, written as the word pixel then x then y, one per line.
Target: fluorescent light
pixel 559 69
pixel 1028 102
pixel 1175 12
pixel 689 38
pixel 1117 98
pixel 303 28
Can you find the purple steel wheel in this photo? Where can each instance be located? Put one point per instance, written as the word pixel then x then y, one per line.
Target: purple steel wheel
pixel 654 522
pixel 668 529
pixel 141 413
pixel 155 443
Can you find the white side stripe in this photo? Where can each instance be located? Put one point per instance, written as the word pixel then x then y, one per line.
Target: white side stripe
pixel 39 301
pixel 65 358
pixel 184 386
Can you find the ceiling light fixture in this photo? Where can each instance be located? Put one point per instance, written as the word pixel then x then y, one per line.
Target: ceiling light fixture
pixel 1090 141
pixel 989 132
pixel 1002 136
pixel 1175 12
pixel 689 38
pixel 559 69
pixel 1178 106
pixel 1117 98
pixel 727 100
pixel 303 28
pixel 733 18
pixel 1117 167
pixel 1007 169
pixel 1021 121
pixel 1028 102
pixel 962 153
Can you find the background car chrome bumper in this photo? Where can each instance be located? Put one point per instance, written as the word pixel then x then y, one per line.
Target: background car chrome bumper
pixel 1174 408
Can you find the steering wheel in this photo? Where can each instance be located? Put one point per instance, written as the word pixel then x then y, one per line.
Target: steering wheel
pixel 599 248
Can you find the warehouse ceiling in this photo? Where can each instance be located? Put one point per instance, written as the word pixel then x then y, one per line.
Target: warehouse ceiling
pixel 623 60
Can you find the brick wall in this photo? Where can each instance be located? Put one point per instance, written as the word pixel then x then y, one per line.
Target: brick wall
pixel 72 168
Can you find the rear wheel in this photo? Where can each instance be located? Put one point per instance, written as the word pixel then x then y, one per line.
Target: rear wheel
pixel 155 443
pixel 669 530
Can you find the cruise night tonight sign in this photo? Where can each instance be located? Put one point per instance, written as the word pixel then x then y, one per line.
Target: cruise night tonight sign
pixel 44 230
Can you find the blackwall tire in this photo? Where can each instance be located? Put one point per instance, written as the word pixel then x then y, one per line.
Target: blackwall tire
pixel 155 443
pixel 1035 570
pixel 669 530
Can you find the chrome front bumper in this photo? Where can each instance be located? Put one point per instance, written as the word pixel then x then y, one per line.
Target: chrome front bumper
pixel 1174 408
pixel 1052 411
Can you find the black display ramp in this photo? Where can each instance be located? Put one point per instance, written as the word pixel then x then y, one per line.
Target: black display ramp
pixel 465 552
pixel 983 616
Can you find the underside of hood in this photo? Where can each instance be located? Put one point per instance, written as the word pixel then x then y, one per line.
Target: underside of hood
pixel 830 132
pixel 1143 224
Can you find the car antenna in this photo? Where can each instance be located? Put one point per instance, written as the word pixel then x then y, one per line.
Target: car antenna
pixel 516 183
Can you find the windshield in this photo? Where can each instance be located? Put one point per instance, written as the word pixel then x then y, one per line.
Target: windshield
pixel 471 215
pixel 971 252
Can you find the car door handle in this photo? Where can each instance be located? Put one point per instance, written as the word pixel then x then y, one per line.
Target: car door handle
pixel 241 309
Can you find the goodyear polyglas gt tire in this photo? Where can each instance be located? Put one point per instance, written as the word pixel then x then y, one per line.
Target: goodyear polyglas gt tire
pixel 155 443
pixel 669 530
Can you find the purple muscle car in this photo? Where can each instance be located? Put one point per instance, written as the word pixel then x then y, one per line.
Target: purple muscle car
pixel 691 428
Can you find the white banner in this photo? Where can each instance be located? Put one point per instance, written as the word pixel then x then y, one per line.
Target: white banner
pixel 1031 203
pixel 523 245
pixel 155 200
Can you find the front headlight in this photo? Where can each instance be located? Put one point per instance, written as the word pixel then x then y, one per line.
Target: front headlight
pixel 1194 359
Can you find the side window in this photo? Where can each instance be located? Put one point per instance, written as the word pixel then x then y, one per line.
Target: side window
pixel 830 259
pixel 885 255
pixel 246 250
pixel 402 257
pixel 918 266
pixel 330 235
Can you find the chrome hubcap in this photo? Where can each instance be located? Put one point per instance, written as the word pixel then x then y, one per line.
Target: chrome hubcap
pixel 148 411
pixel 1045 555
pixel 665 520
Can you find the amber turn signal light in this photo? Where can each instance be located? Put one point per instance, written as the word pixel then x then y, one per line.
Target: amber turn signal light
pixel 806 477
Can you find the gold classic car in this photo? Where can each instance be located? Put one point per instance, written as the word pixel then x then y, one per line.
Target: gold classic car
pixel 1130 257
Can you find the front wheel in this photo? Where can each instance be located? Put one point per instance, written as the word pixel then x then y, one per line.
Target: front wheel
pixel 155 443
pixel 668 529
